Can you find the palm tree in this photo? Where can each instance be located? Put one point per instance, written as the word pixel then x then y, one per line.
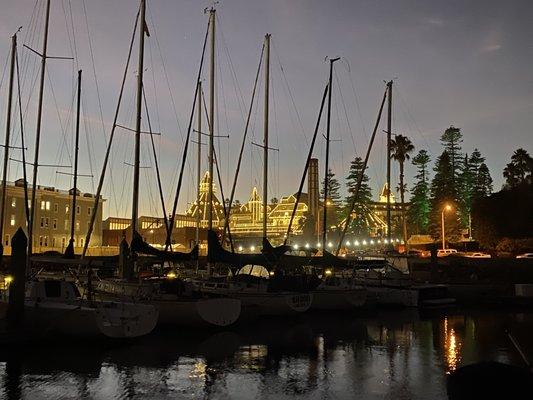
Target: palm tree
pixel 401 147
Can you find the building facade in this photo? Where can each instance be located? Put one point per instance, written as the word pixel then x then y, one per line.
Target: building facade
pixel 53 213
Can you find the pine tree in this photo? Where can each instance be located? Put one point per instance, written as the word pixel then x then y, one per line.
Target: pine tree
pixel 418 213
pixel 443 193
pixel 333 201
pixel 466 189
pixel 358 224
pixel 451 139
pixel 520 170
pixel 483 183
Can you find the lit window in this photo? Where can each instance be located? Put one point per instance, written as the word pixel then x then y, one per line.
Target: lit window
pixel 67 208
pixel 77 225
pixel 48 205
pixel 43 205
pixel 12 222
pixel 13 202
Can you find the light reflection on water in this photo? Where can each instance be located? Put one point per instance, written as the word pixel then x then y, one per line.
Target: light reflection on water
pixel 394 354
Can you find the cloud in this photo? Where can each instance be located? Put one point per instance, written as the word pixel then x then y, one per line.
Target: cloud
pixel 434 21
pixel 490 48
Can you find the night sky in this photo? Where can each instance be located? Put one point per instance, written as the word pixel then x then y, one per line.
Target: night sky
pixel 461 63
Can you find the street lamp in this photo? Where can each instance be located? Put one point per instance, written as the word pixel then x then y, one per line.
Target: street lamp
pixel 447 207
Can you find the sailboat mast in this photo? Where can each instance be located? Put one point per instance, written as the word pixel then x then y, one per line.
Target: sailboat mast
pixel 326 174
pixel 199 161
pixel 38 131
pixel 265 134
pixel 76 153
pixel 8 133
pixel 212 119
pixel 140 68
pixel 389 133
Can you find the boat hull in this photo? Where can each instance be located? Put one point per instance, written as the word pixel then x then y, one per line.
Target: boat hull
pixel 338 299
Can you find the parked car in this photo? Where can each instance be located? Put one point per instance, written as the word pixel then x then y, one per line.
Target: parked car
pixel 525 255
pixel 446 252
pixel 477 255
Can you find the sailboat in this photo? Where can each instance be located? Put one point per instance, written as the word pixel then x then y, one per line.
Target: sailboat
pixel 174 298
pixel 53 305
pixel 256 280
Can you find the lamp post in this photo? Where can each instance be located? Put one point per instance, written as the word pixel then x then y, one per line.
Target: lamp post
pixel 447 207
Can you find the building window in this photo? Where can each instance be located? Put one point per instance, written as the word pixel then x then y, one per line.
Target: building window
pixel 7 240
pixel 43 205
pixel 56 207
pixel 48 205
pixel 46 222
pixel 67 208
pixel 12 222
pixel 63 241
pixel 46 241
pixel 81 242
pixel 42 222
pixel 89 211
pixel 14 202
pixel 78 210
pixel 40 240
pixel 29 204
pixel 66 224
pixel 77 225
pixel 53 242
pixel 54 223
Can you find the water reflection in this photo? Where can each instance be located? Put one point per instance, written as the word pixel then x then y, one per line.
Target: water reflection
pixel 396 354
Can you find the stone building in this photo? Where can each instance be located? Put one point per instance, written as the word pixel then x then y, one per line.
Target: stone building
pixel 51 230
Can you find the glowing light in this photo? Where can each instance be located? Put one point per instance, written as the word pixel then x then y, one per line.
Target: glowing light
pixel 328 272
pixel 330 244
pixel 371 241
pixel 357 242
pixel 295 247
pixel 240 248
pixel 171 275
pixel 385 241
pixel 397 240
pixel 307 245
pixel 8 279
pixel 364 242
pixel 379 241
pixel 271 273
pixel 318 245
pixel 348 243
pixel 448 207
pixel 252 248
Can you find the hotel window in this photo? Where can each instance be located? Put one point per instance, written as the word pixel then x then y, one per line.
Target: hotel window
pixel 43 205
pixel 46 222
pixel 48 205
pixel 78 210
pixel 12 222
pixel 56 207
pixel 40 240
pixel 7 240
pixel 77 225
pixel 14 202
pixel 67 209
pixel 42 222
pixel 54 223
